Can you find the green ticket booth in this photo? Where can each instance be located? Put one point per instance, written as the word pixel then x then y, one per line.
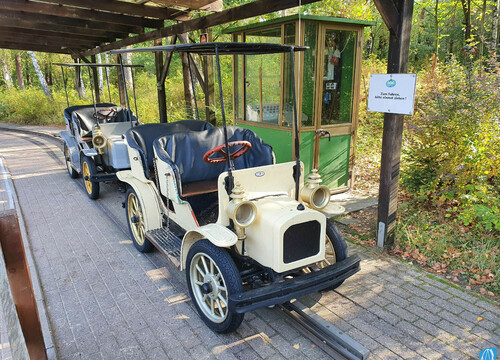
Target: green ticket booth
pixel 327 91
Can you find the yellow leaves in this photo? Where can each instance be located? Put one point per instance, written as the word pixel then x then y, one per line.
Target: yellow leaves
pixel 479 318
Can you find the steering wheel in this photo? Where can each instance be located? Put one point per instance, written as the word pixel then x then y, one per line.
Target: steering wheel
pixel 243 147
pixel 106 114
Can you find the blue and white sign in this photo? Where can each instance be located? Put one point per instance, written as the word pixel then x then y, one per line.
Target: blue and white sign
pixel 392 93
pixel 488 354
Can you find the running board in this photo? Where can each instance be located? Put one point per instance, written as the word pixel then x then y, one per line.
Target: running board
pixel 167 243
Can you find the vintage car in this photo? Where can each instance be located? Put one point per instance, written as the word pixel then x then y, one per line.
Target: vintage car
pixel 248 232
pixel 93 139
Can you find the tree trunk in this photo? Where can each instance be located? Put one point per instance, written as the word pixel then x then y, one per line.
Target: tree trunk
pixel 453 20
pixel 7 76
pixel 45 87
pixel 80 87
pixel 19 71
pixel 127 60
pixel 188 92
pixel 436 26
pixel 481 38
pixel 494 37
pixel 466 9
pixel 101 80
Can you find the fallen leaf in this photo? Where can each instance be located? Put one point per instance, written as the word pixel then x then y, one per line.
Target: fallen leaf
pixel 313 346
pixel 455 279
pixel 296 346
pixel 482 291
pixel 479 318
pixel 468 288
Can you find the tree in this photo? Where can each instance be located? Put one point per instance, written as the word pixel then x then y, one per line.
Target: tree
pixel 45 87
pixel 7 76
pixel 19 71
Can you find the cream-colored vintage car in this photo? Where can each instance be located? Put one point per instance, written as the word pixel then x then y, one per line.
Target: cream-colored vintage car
pixel 248 232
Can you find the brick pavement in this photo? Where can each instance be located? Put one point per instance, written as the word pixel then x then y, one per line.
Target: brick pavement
pixel 106 300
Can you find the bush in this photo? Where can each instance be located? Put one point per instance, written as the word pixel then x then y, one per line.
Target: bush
pixel 452 144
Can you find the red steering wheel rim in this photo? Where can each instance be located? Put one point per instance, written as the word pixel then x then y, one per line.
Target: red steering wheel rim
pixel 244 147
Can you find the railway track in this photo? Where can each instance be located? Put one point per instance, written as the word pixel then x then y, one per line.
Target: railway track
pixel 323 334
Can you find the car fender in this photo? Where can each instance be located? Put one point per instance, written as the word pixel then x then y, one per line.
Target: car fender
pixel 74 151
pixel 148 197
pixel 217 234
pixel 90 152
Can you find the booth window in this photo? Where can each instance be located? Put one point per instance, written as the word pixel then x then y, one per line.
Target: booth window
pixel 263 79
pixel 338 73
pixel 238 65
pixel 309 74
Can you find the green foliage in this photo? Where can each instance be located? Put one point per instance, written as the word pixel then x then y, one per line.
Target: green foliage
pixel 452 148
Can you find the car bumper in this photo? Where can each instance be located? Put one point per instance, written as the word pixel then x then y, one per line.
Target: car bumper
pixel 280 292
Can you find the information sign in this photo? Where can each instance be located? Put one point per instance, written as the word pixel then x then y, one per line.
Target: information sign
pixel 392 93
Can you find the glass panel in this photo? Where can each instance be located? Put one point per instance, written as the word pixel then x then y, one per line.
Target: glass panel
pixel 263 79
pixel 338 72
pixel 289 39
pixel 308 92
pixel 238 89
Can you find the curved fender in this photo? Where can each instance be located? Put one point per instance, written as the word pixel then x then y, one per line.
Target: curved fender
pixel 90 152
pixel 217 234
pixel 74 151
pixel 146 192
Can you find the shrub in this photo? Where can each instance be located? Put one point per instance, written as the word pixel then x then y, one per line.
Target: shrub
pixel 452 144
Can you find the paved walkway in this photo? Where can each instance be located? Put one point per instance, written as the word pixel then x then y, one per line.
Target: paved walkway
pixel 106 300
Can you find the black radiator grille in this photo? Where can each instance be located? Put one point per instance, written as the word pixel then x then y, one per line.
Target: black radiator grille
pixel 301 241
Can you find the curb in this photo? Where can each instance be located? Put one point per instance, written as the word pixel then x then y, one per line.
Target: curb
pixel 35 280
pixel 19 129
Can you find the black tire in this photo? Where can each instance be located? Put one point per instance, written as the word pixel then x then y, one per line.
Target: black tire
pixel 219 319
pixel 88 170
pixel 339 247
pixel 72 172
pixel 135 222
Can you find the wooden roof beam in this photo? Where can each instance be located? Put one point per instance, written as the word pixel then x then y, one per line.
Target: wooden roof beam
pixel 123 8
pixel 61 29
pixel 45 41
pixel 256 8
pixel 30 47
pixel 390 14
pixel 192 4
pixel 53 34
pixel 57 20
pixel 75 13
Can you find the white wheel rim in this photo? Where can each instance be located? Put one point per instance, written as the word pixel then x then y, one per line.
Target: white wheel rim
pixel 134 209
pixel 214 304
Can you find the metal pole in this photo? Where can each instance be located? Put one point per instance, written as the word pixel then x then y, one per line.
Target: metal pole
pixel 133 90
pixel 93 99
pixel 65 90
pixel 194 89
pixel 124 80
pixel 229 185
pixel 296 124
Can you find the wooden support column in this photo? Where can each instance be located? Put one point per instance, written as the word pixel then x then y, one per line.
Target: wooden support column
pixel 186 75
pixel 397 15
pixel 208 75
pixel 160 83
pixel 121 87
pixel 95 80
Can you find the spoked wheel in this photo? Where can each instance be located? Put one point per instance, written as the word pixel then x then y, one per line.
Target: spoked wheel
pixel 88 170
pixel 335 250
pixel 135 220
pixel 72 172
pixel 212 277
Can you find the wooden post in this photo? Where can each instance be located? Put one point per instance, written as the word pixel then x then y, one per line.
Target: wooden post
pixel 208 75
pixel 19 71
pixel 186 75
pixel 121 88
pixel 95 80
pixel 397 15
pixel 160 83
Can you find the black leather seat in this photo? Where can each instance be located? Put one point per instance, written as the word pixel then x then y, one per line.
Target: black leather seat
pixel 68 112
pixel 85 120
pixel 184 152
pixel 141 137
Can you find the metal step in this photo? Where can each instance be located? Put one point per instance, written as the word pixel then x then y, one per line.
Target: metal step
pixel 167 243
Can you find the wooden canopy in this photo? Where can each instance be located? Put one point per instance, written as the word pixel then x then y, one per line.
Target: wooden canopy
pixel 88 27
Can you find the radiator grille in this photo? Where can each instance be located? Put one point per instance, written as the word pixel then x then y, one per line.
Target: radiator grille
pixel 301 241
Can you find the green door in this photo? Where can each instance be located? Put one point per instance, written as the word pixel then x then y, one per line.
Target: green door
pixel 336 62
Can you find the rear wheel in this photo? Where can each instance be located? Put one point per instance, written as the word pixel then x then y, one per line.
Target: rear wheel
pixel 135 220
pixel 212 277
pixel 72 172
pixel 89 170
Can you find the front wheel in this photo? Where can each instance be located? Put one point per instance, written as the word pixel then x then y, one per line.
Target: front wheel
pixel 72 172
pixel 335 251
pixel 212 277
pixel 135 220
pixel 89 170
